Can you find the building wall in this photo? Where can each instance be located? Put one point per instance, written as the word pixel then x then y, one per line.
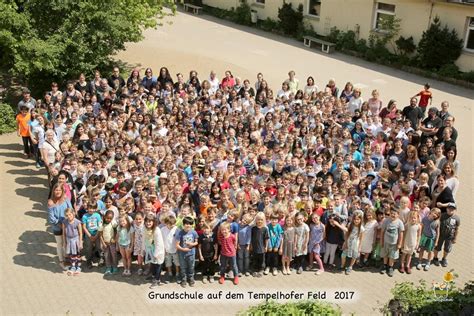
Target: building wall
pixel 359 16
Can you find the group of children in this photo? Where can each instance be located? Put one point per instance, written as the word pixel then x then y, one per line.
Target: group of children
pixel 256 243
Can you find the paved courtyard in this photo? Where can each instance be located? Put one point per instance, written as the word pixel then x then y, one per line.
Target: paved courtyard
pixel 31 281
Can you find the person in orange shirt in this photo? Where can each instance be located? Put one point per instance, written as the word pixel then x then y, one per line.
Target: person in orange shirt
pixel 425 96
pixel 23 129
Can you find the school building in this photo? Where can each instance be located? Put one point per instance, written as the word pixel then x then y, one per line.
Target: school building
pixel 364 16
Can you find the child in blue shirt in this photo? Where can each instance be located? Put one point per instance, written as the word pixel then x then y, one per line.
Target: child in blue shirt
pixel 186 241
pixel 91 221
pixel 243 246
pixel 274 249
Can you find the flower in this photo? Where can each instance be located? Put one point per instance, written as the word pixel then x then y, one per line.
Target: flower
pixel 448 276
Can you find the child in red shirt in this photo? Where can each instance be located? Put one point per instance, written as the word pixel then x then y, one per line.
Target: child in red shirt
pixel 228 257
pixel 425 96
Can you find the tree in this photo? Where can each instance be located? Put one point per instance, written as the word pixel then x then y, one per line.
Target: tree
pixel 291 21
pixel 438 46
pixel 42 41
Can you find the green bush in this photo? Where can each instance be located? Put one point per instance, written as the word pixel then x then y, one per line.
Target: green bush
pixel 468 76
pixel 420 299
pixel 438 46
pixel 333 35
pixel 449 70
pixel 269 25
pixel 405 45
pixel 7 119
pixel 242 15
pixel 292 309
pixel 290 20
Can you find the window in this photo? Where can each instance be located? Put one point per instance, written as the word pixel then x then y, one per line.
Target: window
pixel 314 7
pixel 260 1
pixel 383 12
pixel 469 42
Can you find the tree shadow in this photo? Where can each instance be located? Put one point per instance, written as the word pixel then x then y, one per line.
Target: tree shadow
pixel 12 146
pixel 20 163
pixel 394 72
pixel 30 181
pixel 28 172
pixel 12 154
pixel 35 194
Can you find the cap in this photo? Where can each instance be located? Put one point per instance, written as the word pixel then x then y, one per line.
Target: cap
pixel 372 174
pixel 452 205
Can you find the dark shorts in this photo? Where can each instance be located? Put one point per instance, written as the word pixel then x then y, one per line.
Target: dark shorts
pixel 447 242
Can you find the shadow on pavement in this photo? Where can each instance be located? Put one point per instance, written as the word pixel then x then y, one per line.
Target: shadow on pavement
pixel 442 86
pixel 14 146
pixel 35 251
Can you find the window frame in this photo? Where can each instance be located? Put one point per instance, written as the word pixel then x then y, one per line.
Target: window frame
pixel 382 11
pixel 259 2
pixel 469 29
pixel 308 9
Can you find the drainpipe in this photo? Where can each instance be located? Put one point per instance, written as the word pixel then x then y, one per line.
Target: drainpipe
pixel 431 13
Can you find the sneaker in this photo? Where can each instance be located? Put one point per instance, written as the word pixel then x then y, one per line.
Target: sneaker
pixel 383 269
pixel 401 269
pixel 444 263
pixel 211 279
pixel 259 274
pixel 275 272
pixel 283 271
pixel 288 272
pixel 309 268
pixel 77 271
pixel 236 280
pixel 348 270
pixel 124 273
pixel 221 280
pixel 71 271
pixel 183 284
pixel 408 270
pixel 230 274
pixel 140 271
pixel 427 267
pixel 204 280
pixel 436 262
pixel 300 270
pixel 101 262
pixel 254 274
pixel 267 270
pixel 178 281
pixel 240 275
pixel 191 283
pixel 390 272
pixel 419 266
pixel 38 165
pixel 108 271
pixel 247 273
pixel 114 270
pixel 155 284
pixel 319 272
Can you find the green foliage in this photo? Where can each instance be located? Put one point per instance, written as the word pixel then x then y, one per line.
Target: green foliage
pixel 390 27
pixel 292 309
pixel 422 300
pixel 333 35
pixel 7 119
pixel 377 51
pixel 468 76
pixel 449 70
pixel 242 14
pixel 291 20
pixel 43 41
pixel 269 25
pixel 438 46
pixel 218 13
pixel 405 45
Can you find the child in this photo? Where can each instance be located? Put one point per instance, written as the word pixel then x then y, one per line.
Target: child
pixel 186 240
pixel 369 237
pixel 185 212
pixel 301 242
pixel 274 249
pixel 380 217
pixel 168 231
pixel 72 239
pixel 391 241
pixel 243 256
pixel 288 244
pixel 154 249
pixel 429 237
pixel 334 238
pixel 138 230
pixel 411 240
pixel 448 234
pixel 228 243
pixel 316 237
pixel 91 222
pixel 207 248
pixel 108 242
pixel 404 209
pixel 351 247
pixel 125 243
pixel 425 96
pixel 258 244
